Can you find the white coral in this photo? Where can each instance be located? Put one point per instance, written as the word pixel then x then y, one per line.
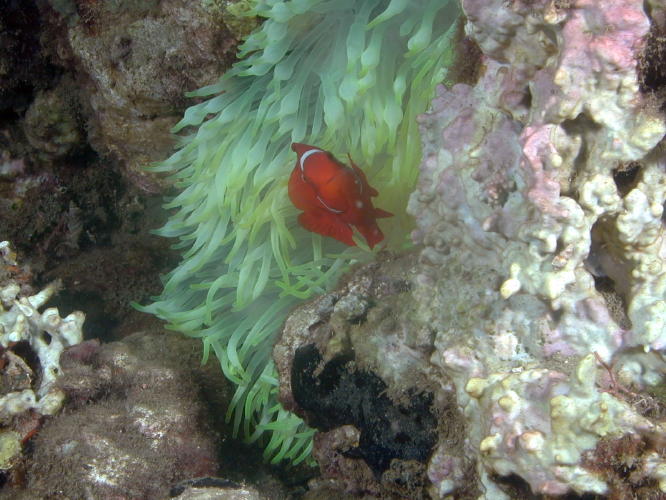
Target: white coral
pixel 47 333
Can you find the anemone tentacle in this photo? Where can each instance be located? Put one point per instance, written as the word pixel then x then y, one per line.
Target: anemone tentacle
pixel 345 75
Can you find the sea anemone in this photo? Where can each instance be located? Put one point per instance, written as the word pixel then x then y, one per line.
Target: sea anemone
pixel 349 76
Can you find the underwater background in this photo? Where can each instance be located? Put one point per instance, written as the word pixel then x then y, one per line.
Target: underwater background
pixel 170 327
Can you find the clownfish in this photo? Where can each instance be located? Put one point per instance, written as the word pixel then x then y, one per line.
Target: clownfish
pixel 333 196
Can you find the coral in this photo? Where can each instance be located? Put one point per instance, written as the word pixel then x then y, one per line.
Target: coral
pixel 346 76
pixel 540 183
pixel 553 425
pixel 31 343
pixel 47 334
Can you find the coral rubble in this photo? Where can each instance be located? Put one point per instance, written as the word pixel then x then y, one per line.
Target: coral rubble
pixel 135 422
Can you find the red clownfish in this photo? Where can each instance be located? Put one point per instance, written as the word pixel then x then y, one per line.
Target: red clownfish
pixel 333 196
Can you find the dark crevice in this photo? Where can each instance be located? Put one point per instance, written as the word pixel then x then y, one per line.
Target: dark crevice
pixel 579 127
pixel 605 269
pixel 626 176
pixel 340 394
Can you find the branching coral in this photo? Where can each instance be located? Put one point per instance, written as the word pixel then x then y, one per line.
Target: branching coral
pixel 347 76
pixel 46 332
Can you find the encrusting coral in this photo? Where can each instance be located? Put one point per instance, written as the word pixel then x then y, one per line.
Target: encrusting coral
pixel 348 76
pixel 523 215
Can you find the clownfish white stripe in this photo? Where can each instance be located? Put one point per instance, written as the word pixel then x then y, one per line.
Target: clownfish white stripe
pixel 335 211
pixel 307 154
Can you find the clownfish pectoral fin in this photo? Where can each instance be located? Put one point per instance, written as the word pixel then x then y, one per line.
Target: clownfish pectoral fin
pixel 326 224
pixel 379 213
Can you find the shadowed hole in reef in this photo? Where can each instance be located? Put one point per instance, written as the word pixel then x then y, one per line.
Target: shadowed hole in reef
pixel 626 177
pixel 516 487
pixel 99 322
pixel 615 303
pixel 578 127
pixel 340 395
pixel 24 351
pixel 601 263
